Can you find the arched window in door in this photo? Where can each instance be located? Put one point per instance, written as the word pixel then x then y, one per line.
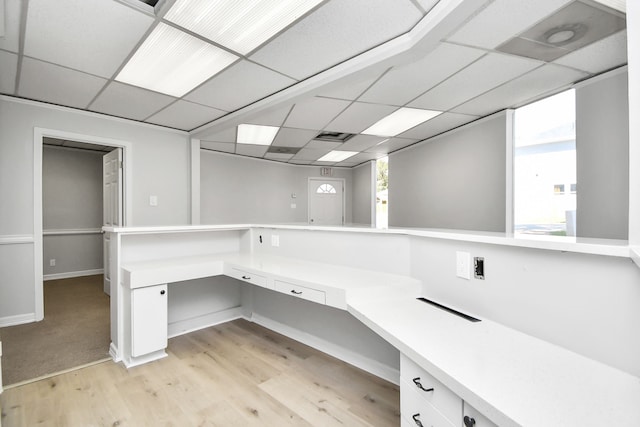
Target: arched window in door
pixel 326 189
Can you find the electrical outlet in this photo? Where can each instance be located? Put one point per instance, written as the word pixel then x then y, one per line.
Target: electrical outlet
pixel 463 265
pixel 275 240
pixel 52 263
pixel 293 206
pixel 153 200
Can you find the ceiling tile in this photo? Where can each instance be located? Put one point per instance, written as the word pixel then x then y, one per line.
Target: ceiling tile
pixel 502 20
pixel 219 146
pixel 94 36
pixel 362 142
pixel 309 154
pixel 239 85
pixel 359 116
pixel 335 32
pixel 271 117
pixel 481 76
pixel 122 100
pixel 185 115
pixel 300 162
pixel 226 135
pixel 8 70
pixel 438 124
pixel 322 145
pixel 51 83
pixel 406 82
pixel 251 150
pixel 314 113
pixel 605 54
pixel 519 91
pixel 350 88
pixel 288 137
pixel 12 13
pixel 278 156
pixel 427 5
pixel 391 145
pixel 360 157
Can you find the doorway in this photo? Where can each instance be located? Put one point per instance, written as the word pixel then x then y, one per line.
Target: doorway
pixel 326 201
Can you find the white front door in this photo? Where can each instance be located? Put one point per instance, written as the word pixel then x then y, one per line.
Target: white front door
pixel 326 201
pixel 111 204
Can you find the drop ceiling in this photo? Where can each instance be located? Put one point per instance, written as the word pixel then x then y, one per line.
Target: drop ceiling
pixel 340 67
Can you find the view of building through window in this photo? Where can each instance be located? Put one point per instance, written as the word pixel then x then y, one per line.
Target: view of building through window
pixel 544 166
pixel 382 193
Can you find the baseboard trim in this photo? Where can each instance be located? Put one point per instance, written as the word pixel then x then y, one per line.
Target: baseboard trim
pixel 113 352
pixel 201 322
pixel 72 274
pixel 358 360
pixel 18 319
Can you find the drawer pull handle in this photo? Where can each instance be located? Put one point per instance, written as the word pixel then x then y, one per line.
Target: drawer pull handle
pixel 418 384
pixel 246 277
pixel 293 291
pixel 468 421
pixel 162 292
pixel 416 419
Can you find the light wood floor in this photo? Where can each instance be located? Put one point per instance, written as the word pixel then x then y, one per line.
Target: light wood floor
pixel 234 374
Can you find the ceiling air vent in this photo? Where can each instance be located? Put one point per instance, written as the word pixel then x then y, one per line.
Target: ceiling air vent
pixel 150 2
pixel 283 150
pixel 334 136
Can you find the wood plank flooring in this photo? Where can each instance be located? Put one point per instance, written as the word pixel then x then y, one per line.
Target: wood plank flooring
pixel 234 374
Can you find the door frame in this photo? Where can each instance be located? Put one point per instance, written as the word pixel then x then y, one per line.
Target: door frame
pixel 38 135
pixel 322 178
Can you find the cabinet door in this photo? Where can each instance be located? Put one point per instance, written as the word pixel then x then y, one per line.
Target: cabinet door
pixel 148 320
pixel 472 417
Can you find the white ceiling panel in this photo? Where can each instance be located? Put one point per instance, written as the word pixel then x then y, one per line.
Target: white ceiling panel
pixel 439 124
pixel 300 162
pixel 427 5
pixel 517 92
pixel 94 36
pixel 481 76
pixel 338 30
pixel 361 157
pixel 359 116
pixel 273 117
pixel 502 20
pixel 251 150
pixel 51 83
pixel 391 145
pixel 278 156
pixel 309 154
pixel 288 137
pixel 185 115
pixel 404 83
pixel 8 70
pixel 240 84
pixel 219 146
pixel 362 142
pixel 322 145
pixel 129 101
pixel 227 135
pixel 349 89
pixel 315 113
pixel 607 53
pixel 11 39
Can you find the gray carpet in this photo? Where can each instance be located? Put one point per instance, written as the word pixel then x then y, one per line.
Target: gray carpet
pixel 75 331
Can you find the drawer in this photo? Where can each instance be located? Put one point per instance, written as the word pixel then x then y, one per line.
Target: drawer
pixel 443 399
pixel 254 279
pixel 475 418
pixel 300 291
pixel 417 412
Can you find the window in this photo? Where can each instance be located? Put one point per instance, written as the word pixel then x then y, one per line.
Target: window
pixel 326 189
pixel 382 193
pixel 544 166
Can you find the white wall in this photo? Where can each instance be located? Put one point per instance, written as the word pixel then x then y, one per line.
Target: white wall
pixel 160 160
pixel 236 189
pixel 71 200
pixel 602 157
pixel 456 180
pixel 633 53
pixel 363 193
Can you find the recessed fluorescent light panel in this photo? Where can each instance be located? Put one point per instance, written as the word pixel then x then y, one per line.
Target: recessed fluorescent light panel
pixel 256 135
pixel 400 121
pixel 173 62
pixel 240 25
pixel 337 156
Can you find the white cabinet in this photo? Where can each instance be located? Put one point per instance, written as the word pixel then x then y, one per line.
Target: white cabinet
pixel 148 320
pixel 303 292
pixel 254 279
pixel 472 418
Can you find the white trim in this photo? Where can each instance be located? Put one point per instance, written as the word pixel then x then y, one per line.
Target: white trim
pixel 113 352
pixel 634 253
pixel 71 274
pixel 272 161
pixel 374 192
pixel 205 321
pixel 17 239
pixel 195 181
pixel 374 367
pixel 508 215
pixel 38 135
pixel 18 319
pixel 71 231
pixel 322 178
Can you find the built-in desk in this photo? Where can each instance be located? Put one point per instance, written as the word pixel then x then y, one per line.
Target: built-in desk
pixel 503 376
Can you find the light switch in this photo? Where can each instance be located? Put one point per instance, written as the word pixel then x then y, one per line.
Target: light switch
pixel 463 265
pixel 293 205
pixel 275 240
pixel 153 200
